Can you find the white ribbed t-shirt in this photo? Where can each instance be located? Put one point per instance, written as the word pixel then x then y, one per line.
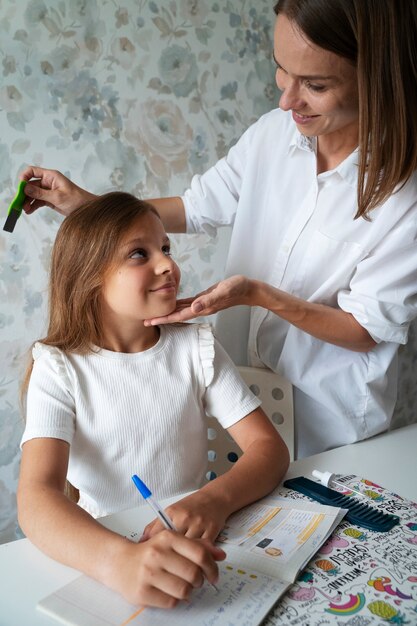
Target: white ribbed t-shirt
pixel 142 413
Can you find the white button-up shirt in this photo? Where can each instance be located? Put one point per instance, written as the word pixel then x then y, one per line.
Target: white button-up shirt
pixel 296 230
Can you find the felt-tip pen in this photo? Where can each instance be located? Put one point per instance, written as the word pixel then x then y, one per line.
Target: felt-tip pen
pixel 332 480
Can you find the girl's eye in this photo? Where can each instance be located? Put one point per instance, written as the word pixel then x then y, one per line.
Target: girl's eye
pixel 138 254
pixel 166 250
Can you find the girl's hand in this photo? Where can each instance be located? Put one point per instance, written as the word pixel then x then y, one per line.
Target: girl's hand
pixel 197 516
pixel 53 189
pixel 227 293
pixel 163 570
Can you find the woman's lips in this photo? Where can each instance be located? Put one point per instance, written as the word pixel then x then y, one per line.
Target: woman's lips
pixel 302 119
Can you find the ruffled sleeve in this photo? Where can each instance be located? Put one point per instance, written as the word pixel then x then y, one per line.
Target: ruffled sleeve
pixel 206 349
pixel 55 357
pixel 226 396
pixel 50 404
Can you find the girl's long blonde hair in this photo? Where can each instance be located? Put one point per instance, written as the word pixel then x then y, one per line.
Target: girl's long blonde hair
pixel 83 251
pixel 379 37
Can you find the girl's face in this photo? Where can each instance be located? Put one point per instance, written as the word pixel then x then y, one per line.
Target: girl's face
pixel 144 281
pixel 319 87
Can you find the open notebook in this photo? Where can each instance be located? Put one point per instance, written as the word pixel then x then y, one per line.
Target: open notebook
pixel 267 544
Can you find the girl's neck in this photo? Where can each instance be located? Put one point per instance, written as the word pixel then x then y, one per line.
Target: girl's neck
pixel 127 341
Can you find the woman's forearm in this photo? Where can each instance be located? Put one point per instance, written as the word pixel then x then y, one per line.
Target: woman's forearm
pixel 319 320
pixel 172 213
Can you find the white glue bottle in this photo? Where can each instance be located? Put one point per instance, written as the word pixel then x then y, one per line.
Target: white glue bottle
pixel 333 482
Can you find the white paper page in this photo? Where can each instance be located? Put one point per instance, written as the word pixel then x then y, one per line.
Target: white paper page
pixel 244 598
pixel 279 536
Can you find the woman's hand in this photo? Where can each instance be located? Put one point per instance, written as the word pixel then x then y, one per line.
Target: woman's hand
pixel 163 570
pixel 324 322
pixel 53 189
pixel 197 516
pixel 227 293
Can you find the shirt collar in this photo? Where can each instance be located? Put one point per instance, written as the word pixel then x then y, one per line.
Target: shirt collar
pixel 302 142
pixel 347 169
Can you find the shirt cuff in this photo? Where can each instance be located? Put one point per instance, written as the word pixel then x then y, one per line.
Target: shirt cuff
pixel 378 319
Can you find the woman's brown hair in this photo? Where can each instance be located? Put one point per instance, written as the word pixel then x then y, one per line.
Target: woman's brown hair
pixel 380 38
pixel 84 249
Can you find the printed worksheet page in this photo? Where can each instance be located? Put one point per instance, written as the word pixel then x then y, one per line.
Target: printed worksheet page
pixel 278 536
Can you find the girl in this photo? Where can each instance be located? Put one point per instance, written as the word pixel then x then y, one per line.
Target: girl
pixel 109 397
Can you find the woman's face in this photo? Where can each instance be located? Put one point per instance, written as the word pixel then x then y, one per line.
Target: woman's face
pixel 318 86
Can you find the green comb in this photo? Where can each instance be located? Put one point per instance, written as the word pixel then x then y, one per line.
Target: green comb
pixel 15 208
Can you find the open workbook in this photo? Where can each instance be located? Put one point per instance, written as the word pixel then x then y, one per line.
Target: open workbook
pixel 267 544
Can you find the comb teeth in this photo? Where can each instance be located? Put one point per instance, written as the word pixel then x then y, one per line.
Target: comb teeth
pixel 359 513
pixel 11 220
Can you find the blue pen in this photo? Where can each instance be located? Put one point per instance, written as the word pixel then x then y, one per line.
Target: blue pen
pixel 146 493
pixel 149 499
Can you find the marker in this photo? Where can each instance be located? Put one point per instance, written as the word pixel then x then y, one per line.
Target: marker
pixel 332 480
pixel 15 208
pixel 146 493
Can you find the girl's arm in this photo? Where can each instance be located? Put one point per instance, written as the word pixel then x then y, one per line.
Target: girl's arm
pixel 158 573
pixel 324 322
pixel 53 189
pixel 261 467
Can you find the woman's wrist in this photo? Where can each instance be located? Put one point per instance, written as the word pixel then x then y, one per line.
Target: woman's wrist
pixel 257 292
pixel 84 196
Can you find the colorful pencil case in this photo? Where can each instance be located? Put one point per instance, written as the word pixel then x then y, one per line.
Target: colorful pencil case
pixel 359 513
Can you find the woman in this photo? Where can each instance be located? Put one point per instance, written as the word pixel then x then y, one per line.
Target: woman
pixel 322 196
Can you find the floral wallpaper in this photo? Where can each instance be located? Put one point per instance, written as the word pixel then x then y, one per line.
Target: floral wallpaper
pixel 131 94
pixel 119 94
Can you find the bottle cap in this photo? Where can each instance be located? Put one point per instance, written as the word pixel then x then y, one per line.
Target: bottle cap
pixel 324 477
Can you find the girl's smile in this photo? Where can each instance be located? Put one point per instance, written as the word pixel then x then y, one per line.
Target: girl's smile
pixel 141 284
pixel 168 288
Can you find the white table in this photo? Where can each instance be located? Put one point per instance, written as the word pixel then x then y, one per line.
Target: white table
pixel 27 575
pixel 389 460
